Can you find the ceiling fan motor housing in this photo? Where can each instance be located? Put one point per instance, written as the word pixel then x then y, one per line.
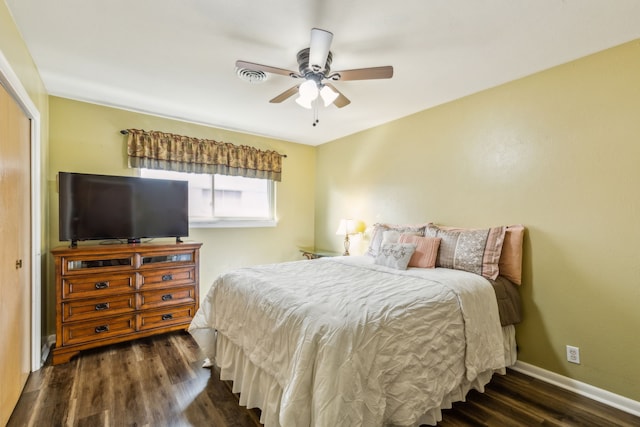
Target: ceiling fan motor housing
pixel 306 69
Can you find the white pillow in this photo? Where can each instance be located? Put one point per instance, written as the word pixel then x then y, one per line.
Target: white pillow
pixel 390 236
pixel 395 255
pixel 378 230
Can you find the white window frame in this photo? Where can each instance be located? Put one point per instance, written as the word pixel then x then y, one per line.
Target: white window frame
pixel 230 221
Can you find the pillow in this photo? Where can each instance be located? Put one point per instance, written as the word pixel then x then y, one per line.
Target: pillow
pixel 510 263
pixel 395 255
pixel 379 229
pixel 426 250
pixel 474 250
pixel 390 236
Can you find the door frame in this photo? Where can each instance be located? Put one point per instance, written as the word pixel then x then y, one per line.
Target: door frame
pixel 14 86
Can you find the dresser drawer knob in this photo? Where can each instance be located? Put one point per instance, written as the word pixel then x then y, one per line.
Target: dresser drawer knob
pixel 167 316
pixel 167 277
pixel 103 328
pixel 102 306
pixel 167 297
pixel 102 285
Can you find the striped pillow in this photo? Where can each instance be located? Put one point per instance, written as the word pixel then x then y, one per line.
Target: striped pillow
pixel 476 251
pixel 426 251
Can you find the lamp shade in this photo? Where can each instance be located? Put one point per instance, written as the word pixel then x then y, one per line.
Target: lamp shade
pixel 328 95
pixel 309 89
pixel 349 226
pixel 304 102
pixel 308 93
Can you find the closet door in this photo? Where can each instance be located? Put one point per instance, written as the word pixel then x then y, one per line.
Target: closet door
pixel 15 250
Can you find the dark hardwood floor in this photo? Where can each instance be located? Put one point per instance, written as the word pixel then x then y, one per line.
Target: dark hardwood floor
pixel 159 381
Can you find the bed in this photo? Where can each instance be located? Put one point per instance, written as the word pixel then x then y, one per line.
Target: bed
pixel 352 341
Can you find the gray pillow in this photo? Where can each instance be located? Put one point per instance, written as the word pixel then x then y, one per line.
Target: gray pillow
pixel 395 255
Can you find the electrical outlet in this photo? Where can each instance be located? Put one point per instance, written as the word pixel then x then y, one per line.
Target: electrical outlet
pixel 573 354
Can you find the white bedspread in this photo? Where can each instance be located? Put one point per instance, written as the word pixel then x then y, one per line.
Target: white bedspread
pixel 353 343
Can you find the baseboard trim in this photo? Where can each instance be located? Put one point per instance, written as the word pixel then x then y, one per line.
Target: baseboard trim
pixel 614 400
pixel 46 348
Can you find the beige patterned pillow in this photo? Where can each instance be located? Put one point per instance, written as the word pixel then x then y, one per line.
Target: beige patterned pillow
pixel 476 251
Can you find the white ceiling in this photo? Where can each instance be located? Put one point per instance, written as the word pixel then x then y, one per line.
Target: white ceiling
pixel 176 58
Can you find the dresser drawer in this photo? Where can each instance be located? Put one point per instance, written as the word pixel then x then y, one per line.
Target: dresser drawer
pixel 167 317
pixel 98 285
pixel 166 297
pixel 84 332
pixel 98 307
pixel 102 263
pixel 154 279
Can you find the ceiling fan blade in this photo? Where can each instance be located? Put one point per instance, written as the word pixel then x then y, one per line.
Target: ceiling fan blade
pixel 341 100
pixel 319 48
pixel 285 95
pixel 259 67
pixel 363 74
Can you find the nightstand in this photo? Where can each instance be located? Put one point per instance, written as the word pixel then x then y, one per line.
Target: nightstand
pixel 312 253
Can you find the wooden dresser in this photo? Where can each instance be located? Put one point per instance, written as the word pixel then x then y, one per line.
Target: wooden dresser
pixel 112 293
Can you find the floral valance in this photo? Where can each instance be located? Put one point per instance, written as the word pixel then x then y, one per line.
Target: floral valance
pixel 159 150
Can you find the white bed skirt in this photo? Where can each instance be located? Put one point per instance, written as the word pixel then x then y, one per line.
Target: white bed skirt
pixel 259 390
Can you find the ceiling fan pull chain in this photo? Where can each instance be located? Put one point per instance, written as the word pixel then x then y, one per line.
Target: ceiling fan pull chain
pixel 315 112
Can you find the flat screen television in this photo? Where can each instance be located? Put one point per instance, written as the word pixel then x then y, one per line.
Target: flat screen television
pixel 101 207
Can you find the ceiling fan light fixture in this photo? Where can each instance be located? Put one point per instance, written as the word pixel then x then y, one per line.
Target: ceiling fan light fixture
pixel 308 93
pixel 304 102
pixel 328 95
pixel 309 89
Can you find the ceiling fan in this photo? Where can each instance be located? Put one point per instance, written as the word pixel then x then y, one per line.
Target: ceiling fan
pixel 314 65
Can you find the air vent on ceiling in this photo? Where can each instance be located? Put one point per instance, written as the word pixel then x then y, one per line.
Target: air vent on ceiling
pixel 251 76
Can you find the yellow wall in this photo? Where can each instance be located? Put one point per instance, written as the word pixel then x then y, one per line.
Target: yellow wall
pixel 86 138
pixel 558 151
pixel 16 53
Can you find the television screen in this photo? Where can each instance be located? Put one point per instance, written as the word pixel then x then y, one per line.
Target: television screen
pixel 94 207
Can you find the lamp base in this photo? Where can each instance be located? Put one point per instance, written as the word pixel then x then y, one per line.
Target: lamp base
pixel 346 245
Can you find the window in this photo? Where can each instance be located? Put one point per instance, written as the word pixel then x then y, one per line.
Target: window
pixel 225 201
